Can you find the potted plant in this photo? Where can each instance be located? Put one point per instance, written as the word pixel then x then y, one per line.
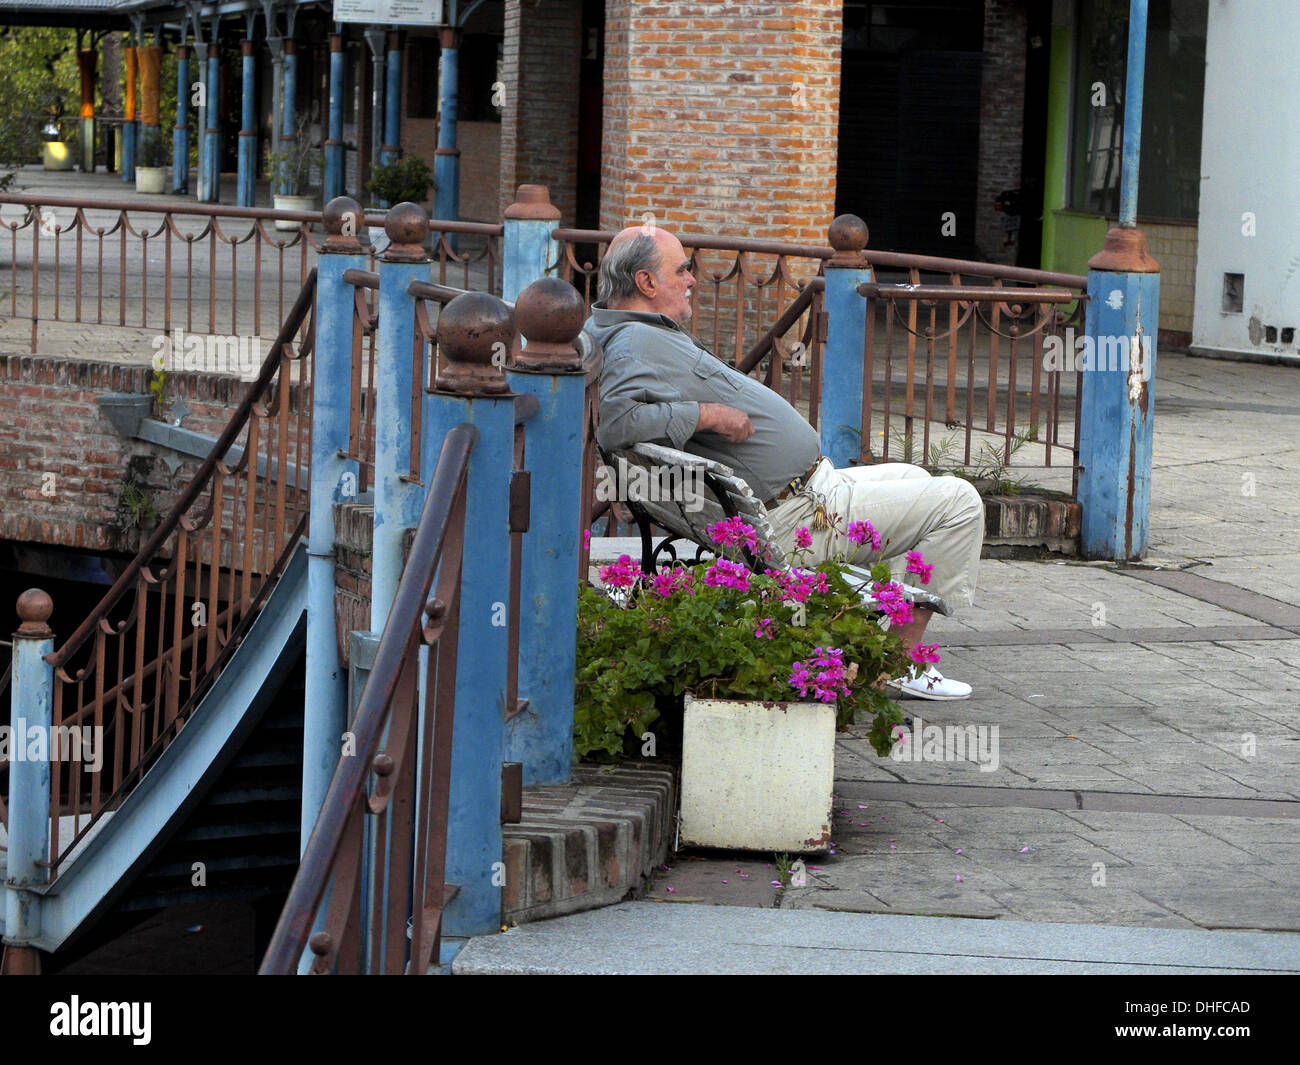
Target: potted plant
pixel 288 168
pixel 767 666
pixel 151 161
pixel 408 179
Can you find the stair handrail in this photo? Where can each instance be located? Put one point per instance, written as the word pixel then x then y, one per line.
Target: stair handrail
pixel 284 523
pixel 334 857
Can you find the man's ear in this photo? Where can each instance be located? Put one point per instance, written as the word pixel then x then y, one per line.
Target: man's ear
pixel 646 285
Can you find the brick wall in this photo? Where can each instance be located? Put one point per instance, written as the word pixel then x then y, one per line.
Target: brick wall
pixel 1174 248
pixel 51 424
pixel 480 171
pixel 1002 102
pixel 539 120
pixel 722 117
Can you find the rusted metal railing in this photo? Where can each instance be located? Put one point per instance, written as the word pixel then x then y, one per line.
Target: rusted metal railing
pixel 400 775
pixel 223 270
pixel 954 337
pixel 139 664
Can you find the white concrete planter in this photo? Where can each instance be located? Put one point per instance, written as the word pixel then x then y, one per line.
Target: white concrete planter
pixel 291 203
pixel 757 776
pixel 150 179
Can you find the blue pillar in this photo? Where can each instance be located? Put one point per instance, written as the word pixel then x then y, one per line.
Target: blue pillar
pixel 472 388
pixel 128 120
pixel 550 366
pixel 528 248
pixel 333 481
pixel 335 152
pixel 201 178
pixel 398 498
pixel 212 135
pixel 288 129
pixel 181 134
pixel 245 195
pixel 840 420
pixel 446 162
pixel 1117 404
pixel 31 708
pixel 393 100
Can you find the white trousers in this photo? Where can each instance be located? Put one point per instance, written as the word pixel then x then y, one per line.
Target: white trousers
pixel 941 517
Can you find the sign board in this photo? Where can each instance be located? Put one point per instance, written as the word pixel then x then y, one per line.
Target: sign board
pixel 389 12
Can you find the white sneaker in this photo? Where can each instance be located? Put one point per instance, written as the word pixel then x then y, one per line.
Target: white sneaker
pixel 931 685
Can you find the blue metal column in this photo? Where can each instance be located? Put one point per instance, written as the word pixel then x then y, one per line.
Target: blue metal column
pixel 1117 408
pixel 245 194
pixel 31 708
pixel 446 162
pixel 333 481
pixel 398 498
pixel 201 133
pixel 335 157
pixel 181 134
pixel 841 384
pixel 393 100
pixel 528 248
pixel 212 134
pixel 128 113
pixel 471 330
pixel 550 314
pixel 288 129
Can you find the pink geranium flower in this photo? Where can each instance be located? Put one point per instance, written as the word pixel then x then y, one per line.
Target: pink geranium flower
pixel 923 654
pixel 864 532
pixel 916 564
pixel 802 537
pixel 621 574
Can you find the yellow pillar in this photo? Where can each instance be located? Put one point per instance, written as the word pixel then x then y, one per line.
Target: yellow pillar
pixel 130 84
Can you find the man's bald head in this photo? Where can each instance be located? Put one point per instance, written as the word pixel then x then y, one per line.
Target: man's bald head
pixel 645 268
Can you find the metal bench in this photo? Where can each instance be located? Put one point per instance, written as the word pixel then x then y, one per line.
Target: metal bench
pixel 684 494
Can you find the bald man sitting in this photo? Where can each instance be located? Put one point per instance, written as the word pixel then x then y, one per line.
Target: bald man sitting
pixel 659 384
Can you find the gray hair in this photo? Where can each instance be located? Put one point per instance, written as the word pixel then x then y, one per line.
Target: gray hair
pixel 623 261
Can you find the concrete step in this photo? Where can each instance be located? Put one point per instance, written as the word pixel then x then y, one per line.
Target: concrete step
pixel 686 938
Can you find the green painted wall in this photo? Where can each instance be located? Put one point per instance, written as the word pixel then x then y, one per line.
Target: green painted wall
pixel 1070 239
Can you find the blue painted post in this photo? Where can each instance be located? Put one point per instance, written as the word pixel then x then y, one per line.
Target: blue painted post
pixel 201 131
pixel 31 714
pixel 333 480
pixel 550 314
pixel 446 161
pixel 245 193
pixel 288 186
pixel 212 134
pixel 398 498
pixel 528 249
pixel 335 157
pixel 472 329
pixel 842 377
pixel 128 115
pixel 393 100
pixel 1117 409
pixel 181 134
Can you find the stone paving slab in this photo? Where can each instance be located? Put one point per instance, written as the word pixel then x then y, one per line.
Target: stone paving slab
pixel 653 938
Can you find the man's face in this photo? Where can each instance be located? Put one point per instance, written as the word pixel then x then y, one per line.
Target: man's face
pixel 670 293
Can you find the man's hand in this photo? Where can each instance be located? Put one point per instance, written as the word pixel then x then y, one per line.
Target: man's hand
pixel 728 422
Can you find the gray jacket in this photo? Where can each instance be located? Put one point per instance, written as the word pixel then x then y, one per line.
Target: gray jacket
pixel 656 375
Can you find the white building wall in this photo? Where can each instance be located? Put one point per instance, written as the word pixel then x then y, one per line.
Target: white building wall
pixel 1250 181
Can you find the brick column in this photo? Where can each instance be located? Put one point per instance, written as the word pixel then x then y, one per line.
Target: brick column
pixel 722 117
pixel 539 117
pixel 1002 108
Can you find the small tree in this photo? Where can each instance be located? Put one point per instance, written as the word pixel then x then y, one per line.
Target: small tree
pixel 404 180
pixel 289 165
